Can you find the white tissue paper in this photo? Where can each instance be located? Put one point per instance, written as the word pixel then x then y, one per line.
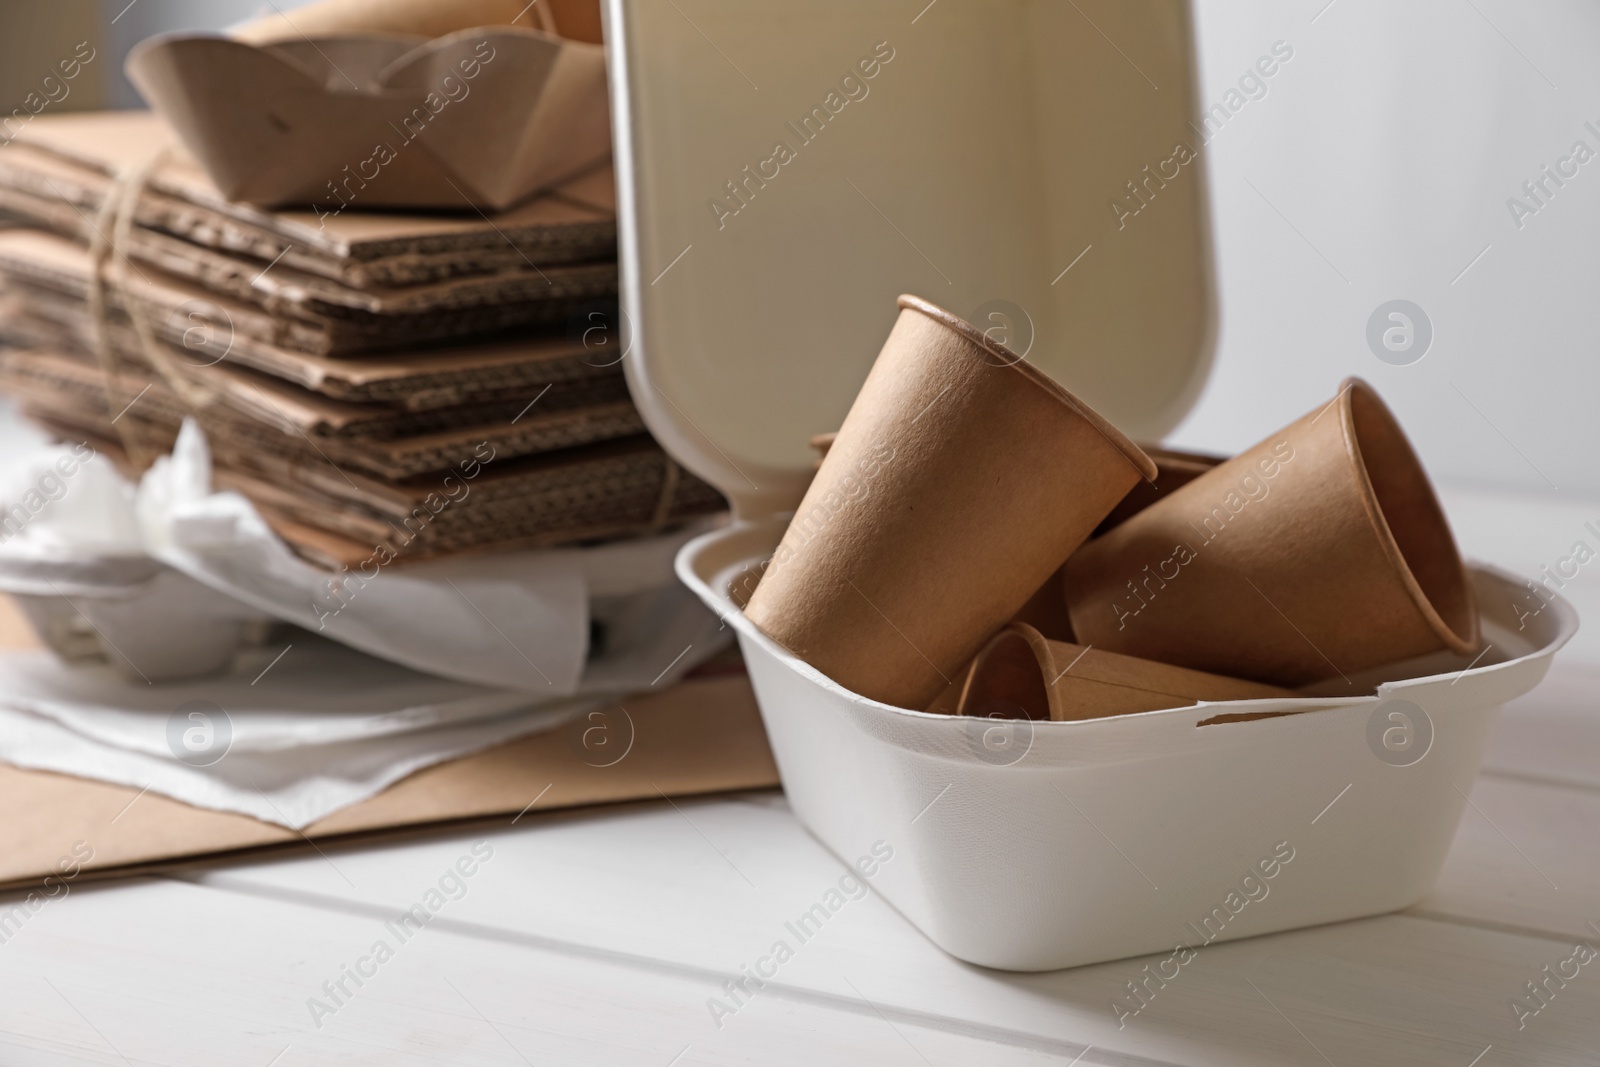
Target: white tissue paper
pixel 286 738
pixel 65 503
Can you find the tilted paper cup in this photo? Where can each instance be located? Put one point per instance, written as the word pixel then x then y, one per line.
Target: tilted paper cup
pixel 1174 470
pixel 1320 552
pixel 960 480
pixel 948 702
pixel 1046 610
pixel 1021 674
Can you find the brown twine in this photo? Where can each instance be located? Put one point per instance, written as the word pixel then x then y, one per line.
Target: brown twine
pixel 101 250
pixel 118 213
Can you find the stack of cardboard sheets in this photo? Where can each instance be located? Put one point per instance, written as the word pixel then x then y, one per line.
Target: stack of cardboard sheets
pixel 353 371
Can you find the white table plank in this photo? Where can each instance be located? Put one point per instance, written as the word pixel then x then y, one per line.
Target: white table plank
pixel 1553 733
pixel 1525 532
pixel 646 885
pixel 1524 858
pixel 170 973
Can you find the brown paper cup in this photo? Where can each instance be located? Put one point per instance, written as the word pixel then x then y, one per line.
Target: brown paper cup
pixel 1174 470
pixel 960 480
pixel 1046 610
pixel 1021 674
pixel 948 702
pixel 1319 552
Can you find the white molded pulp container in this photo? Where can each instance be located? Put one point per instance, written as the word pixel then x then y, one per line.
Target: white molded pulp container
pixel 1037 845
pixel 777 191
pixel 148 622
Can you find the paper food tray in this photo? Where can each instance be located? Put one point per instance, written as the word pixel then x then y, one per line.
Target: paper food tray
pixel 478 118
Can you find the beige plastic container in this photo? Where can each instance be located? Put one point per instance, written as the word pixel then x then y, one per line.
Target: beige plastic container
pixel 956 158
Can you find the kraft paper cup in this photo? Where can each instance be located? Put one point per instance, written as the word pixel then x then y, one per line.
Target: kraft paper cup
pixel 1046 610
pixel 948 702
pixel 1320 552
pixel 1174 470
pixel 960 480
pixel 1021 674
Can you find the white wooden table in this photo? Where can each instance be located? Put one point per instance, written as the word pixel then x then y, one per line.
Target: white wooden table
pixel 599 938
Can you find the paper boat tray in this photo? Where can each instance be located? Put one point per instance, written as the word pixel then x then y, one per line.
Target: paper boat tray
pixel 480 118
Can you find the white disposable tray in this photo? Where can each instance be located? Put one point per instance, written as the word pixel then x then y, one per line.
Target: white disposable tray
pixel 977 167
pixel 1036 845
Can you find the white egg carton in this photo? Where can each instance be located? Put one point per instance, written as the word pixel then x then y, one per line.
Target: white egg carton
pixel 147 621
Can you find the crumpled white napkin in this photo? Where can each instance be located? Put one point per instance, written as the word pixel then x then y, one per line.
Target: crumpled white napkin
pixel 286 739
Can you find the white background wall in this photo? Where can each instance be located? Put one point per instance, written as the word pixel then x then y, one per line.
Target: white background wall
pixel 1378 167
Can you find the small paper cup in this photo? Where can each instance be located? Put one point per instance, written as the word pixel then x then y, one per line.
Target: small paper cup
pixel 960 480
pixel 1318 553
pixel 1021 674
